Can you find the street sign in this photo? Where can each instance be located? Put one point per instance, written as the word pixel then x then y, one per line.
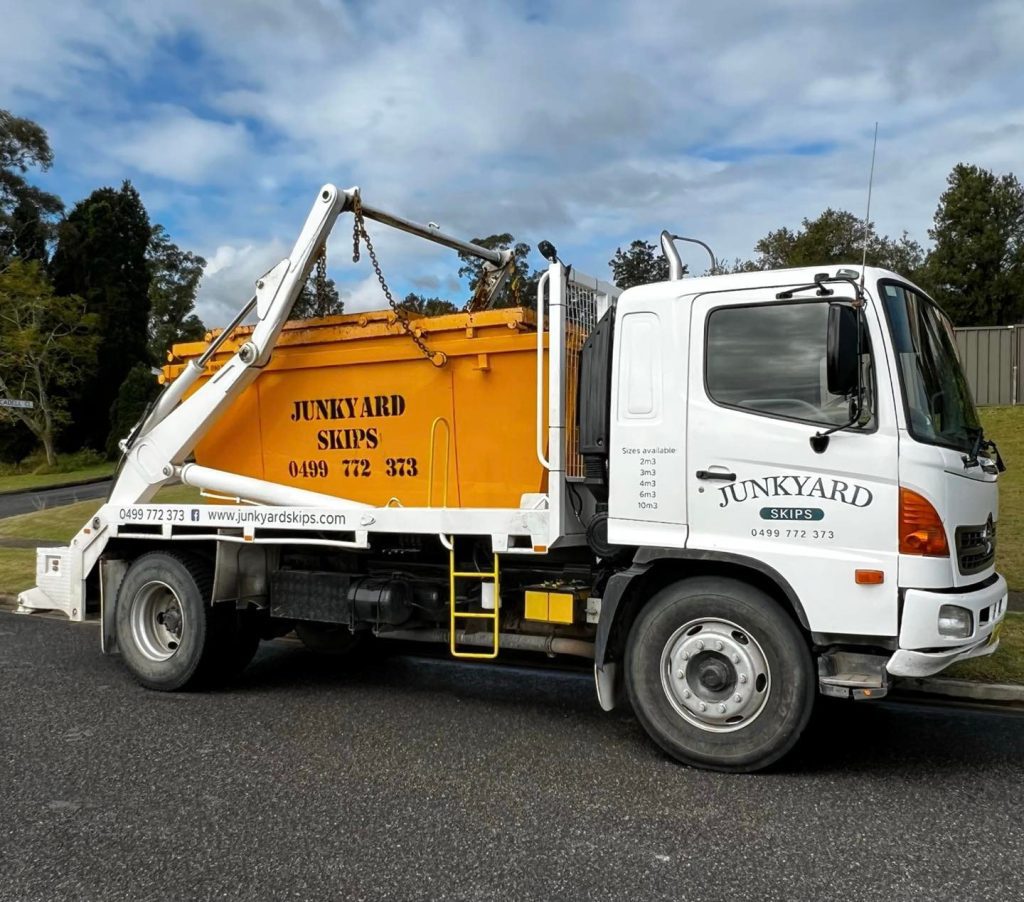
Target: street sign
pixel 16 402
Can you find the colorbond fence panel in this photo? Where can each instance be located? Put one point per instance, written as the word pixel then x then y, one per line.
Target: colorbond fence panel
pixel 993 359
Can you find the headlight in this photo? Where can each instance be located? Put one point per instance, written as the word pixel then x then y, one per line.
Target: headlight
pixel 955 622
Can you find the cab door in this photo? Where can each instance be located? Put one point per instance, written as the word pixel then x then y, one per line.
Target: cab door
pixel 757 489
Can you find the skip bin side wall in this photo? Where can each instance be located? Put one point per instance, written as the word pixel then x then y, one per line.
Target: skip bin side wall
pixel 346 407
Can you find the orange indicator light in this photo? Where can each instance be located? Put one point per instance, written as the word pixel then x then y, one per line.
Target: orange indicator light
pixel 869 577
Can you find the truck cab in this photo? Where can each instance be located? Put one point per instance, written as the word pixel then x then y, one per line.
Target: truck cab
pixel 867 504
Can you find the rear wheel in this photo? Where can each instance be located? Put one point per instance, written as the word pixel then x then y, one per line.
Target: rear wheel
pixel 169 635
pixel 719 675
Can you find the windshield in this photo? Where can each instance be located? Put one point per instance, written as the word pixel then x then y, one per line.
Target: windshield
pixel 939 406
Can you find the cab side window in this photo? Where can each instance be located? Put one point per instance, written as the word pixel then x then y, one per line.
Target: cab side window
pixel 770 359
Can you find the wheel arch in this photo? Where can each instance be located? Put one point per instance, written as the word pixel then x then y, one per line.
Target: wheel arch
pixel 654 568
pixel 117 558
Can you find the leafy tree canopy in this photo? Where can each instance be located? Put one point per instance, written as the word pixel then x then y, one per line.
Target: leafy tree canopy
pixel 101 255
pixel 836 236
pixel 47 345
pixel 424 306
pixel 976 268
pixel 318 300
pixel 140 387
pixel 174 280
pixel 26 212
pixel 639 264
pixel 428 306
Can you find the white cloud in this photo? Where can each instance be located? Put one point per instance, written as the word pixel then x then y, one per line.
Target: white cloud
pixel 363 295
pixel 589 125
pixel 176 145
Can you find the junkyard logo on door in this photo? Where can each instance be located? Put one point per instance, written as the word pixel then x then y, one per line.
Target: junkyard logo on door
pixel 796 487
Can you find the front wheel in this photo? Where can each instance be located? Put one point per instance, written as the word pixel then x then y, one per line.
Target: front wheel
pixel 719 675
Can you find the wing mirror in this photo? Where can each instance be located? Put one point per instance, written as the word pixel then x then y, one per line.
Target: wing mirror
pixel 842 356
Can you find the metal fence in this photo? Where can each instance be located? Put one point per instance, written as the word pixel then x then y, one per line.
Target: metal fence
pixel 993 359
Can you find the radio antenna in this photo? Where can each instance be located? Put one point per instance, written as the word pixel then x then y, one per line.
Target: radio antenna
pixel 867 215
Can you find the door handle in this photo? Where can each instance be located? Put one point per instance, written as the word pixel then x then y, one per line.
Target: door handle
pixel 716 474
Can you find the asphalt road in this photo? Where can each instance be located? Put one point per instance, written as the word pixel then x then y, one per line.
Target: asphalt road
pixel 410 778
pixel 27 502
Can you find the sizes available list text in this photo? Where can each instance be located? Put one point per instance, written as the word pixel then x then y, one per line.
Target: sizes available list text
pixel 649 467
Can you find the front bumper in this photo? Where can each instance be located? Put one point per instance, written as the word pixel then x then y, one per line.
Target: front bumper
pixel 924 652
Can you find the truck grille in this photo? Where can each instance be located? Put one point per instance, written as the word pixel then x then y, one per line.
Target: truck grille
pixel 975 547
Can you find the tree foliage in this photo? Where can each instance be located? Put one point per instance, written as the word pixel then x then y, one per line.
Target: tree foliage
pixel 101 256
pixel 424 306
pixel 976 268
pixel 835 237
pixel 26 212
pixel 639 264
pixel 314 301
pixel 47 345
pixel 133 397
pixel 174 280
pixel 521 289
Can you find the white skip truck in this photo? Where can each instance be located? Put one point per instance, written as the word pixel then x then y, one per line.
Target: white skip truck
pixel 750 489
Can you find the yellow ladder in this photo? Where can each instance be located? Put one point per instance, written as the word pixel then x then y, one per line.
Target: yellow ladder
pixel 473 615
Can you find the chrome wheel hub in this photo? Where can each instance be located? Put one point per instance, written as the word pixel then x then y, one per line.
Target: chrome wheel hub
pixel 715 675
pixel 157 620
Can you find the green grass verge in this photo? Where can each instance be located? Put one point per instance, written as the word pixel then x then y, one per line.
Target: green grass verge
pixel 1006 426
pixel 1005 666
pixel 21 481
pixel 17 570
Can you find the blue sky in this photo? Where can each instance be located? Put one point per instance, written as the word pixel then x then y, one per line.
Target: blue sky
pixel 586 123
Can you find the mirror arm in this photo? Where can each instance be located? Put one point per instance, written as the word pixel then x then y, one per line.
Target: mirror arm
pixel 819 441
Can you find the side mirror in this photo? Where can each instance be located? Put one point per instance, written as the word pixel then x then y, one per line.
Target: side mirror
pixel 842 357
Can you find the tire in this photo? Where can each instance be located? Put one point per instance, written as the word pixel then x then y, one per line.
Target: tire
pixel 333 639
pixel 169 635
pixel 710 641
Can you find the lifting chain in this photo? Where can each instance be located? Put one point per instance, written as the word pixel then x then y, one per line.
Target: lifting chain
pixel 437 358
pixel 320 282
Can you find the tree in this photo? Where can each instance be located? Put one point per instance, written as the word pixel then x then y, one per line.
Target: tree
pixel 29 233
pixel 101 256
pixel 138 389
pixel 314 302
pixel 837 236
pixel 976 268
pixel 521 288
pixel 174 281
pixel 26 212
pixel 47 343
pixel 417 303
pixel 640 264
